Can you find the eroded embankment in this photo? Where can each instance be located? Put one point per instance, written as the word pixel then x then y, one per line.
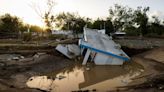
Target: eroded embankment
pixel 144 43
pixel 152 79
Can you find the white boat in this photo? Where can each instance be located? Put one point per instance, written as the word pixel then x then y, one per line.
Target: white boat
pixel 101 49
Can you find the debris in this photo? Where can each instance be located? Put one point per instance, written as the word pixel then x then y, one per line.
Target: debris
pixel 40 82
pixel 74 49
pixel 22 57
pixel 101 49
pixel 61 77
pixel 95 46
pixel 71 50
pixel 37 55
pixel 58 40
pixel 124 81
pixel 15 58
pixel 87 68
pixel 40 54
pixel 26 59
pixel 2 64
pixel 9 57
pixel 101 31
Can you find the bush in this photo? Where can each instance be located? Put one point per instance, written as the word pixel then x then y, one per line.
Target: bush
pixel 57 36
pixel 132 32
pixel 154 35
pixel 27 36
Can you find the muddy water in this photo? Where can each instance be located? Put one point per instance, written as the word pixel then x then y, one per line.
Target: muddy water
pixel 99 78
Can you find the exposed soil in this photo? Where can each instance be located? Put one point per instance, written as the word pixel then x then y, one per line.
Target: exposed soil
pixel 13 76
pixel 152 79
pixel 140 43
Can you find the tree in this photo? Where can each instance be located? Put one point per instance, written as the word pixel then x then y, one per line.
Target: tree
pixel 46 14
pixel 10 25
pixel 109 26
pixel 65 21
pixel 121 16
pixel 103 24
pixel 156 28
pixel 98 24
pixel 70 21
pixel 141 18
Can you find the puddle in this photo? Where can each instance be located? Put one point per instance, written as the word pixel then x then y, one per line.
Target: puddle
pixel 99 78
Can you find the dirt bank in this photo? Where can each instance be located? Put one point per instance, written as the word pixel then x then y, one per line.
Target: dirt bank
pixel 144 43
pixel 31 47
pixel 152 79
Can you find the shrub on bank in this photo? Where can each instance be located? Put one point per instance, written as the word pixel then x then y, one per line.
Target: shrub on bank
pixel 27 36
pixel 57 36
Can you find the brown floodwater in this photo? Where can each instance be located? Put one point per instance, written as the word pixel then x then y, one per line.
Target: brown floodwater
pixel 99 78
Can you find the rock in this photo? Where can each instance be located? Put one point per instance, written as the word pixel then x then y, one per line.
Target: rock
pixel 38 55
pixel 87 68
pixel 15 58
pixel 61 77
pixel 2 64
pixel 22 57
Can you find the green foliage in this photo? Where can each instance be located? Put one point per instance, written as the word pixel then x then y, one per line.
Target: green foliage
pixel 10 23
pixel 70 21
pixel 135 21
pixel 10 26
pixel 109 26
pixel 57 36
pixel 121 17
pixel 103 24
pixel 156 29
pixel 132 31
pixel 98 24
pixel 141 18
pixel 49 20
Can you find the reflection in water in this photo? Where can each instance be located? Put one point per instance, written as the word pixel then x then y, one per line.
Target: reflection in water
pixel 101 78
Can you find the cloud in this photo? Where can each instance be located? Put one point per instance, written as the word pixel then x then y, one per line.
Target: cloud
pixel 158 14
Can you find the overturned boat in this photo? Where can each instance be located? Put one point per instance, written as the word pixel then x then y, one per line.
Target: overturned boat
pixel 101 49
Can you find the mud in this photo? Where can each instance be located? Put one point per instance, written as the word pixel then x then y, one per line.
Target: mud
pixel 151 80
pixel 15 76
pixel 56 73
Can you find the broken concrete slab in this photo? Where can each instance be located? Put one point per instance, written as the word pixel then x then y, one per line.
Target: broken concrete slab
pixel 70 50
pixel 73 48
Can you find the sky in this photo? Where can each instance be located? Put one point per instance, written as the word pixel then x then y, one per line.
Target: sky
pixel 88 8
